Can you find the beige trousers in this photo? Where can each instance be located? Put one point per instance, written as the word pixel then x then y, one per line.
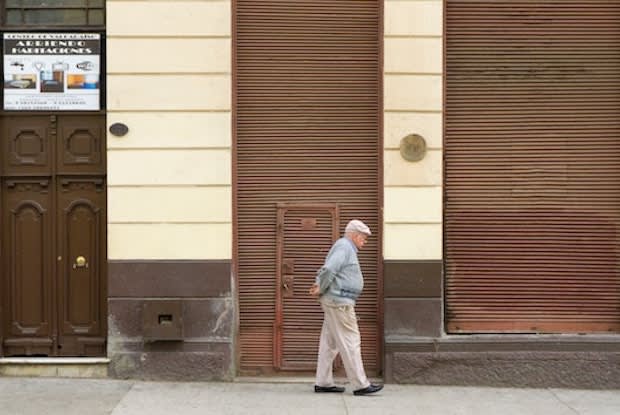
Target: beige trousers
pixel 340 334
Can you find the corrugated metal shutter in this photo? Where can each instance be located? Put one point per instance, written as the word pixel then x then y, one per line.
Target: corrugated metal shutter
pixel 532 157
pixel 307 131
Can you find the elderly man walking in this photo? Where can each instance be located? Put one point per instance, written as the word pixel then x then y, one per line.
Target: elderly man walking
pixel 338 284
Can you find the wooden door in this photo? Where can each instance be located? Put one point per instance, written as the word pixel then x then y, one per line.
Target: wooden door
pixel 305 234
pixel 53 223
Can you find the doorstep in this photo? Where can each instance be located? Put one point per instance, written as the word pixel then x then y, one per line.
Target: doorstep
pixel 63 367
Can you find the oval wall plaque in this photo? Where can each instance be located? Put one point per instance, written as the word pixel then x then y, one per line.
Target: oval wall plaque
pixel 119 129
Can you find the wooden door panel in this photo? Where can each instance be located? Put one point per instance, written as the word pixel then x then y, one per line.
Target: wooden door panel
pixel 53 212
pixel 81 144
pixel 26 147
pixel 81 280
pixel 305 235
pixel 28 267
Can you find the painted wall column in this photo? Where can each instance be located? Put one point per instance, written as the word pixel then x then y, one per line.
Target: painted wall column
pixel 413 65
pixel 169 189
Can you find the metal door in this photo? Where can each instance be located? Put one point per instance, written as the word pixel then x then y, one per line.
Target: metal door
pixel 53 235
pixel 532 166
pixel 305 233
pixel 307 91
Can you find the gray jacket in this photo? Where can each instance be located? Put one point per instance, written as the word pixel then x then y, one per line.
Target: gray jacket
pixel 340 279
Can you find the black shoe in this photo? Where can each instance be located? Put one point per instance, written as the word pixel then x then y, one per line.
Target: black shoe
pixel 336 389
pixel 368 390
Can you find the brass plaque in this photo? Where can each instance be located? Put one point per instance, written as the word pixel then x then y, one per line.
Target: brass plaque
pixel 413 147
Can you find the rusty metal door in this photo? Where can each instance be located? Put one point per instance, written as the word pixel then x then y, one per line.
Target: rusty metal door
pixel 305 233
pixel 53 221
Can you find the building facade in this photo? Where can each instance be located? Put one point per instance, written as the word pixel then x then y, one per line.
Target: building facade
pixel 235 139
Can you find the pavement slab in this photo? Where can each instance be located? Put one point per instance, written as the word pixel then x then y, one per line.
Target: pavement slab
pixel 51 396
pixel 55 396
pixel 589 402
pixel 227 398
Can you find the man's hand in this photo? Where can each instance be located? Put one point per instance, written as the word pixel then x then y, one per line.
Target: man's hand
pixel 314 290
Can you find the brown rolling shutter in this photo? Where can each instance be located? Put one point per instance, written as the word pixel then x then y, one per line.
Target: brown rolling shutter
pixel 532 166
pixel 305 234
pixel 307 82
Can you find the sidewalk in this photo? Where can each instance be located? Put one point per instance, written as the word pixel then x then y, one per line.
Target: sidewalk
pixel 37 396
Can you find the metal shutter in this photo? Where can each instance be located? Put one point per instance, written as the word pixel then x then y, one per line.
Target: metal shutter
pixel 307 102
pixel 532 166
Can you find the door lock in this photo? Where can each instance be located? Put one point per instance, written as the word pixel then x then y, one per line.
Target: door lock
pixel 80 262
pixel 288 285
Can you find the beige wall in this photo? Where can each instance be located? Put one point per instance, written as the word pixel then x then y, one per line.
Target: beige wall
pixel 413 51
pixel 169 81
pixel 169 178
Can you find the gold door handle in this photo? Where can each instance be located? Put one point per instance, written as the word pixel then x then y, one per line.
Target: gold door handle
pixel 80 262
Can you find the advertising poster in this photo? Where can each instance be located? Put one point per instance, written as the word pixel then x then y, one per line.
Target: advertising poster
pixel 51 71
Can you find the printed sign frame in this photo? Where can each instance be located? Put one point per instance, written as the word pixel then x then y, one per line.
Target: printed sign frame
pixel 52 71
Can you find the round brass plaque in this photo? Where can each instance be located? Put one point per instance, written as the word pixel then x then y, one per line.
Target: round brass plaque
pixel 413 147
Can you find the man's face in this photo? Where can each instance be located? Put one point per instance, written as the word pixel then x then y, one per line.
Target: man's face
pixel 359 239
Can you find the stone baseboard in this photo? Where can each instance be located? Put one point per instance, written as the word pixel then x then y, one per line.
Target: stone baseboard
pixel 172 366
pixel 535 363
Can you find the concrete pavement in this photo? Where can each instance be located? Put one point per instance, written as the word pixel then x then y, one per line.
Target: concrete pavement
pixel 51 396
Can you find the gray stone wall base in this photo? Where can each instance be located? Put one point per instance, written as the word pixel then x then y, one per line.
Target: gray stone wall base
pixel 582 370
pixel 170 320
pixel 167 366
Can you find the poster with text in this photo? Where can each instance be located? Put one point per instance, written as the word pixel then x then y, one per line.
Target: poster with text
pixel 52 71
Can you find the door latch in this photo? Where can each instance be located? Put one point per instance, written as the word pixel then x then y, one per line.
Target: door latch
pixel 80 262
pixel 288 285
